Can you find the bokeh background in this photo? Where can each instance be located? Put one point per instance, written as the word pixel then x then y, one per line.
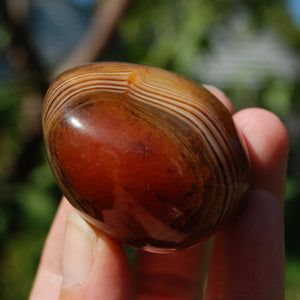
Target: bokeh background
pixel 250 49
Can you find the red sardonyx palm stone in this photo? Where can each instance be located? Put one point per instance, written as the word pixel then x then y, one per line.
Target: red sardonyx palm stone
pixel 147 156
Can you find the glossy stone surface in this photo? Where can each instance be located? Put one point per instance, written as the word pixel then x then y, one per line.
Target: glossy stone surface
pixel 149 157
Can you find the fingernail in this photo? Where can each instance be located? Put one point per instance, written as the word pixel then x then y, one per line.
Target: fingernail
pixel 78 251
pixel 221 96
pixel 214 89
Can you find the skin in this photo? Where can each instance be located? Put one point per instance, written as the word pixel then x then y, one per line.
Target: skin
pixel 247 258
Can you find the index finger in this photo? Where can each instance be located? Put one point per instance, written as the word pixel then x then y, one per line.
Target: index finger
pixel 248 256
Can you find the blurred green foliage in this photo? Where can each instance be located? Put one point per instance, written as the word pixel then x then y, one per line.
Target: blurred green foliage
pixel 174 35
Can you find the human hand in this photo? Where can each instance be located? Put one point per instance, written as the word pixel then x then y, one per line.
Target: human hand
pixel 247 259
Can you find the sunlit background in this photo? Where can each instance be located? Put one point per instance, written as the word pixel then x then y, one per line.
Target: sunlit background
pixel 250 51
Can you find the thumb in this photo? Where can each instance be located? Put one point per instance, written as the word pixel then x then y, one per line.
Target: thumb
pixel 93 265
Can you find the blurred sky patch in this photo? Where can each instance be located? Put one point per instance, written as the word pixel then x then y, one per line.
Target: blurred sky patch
pixel 294 10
